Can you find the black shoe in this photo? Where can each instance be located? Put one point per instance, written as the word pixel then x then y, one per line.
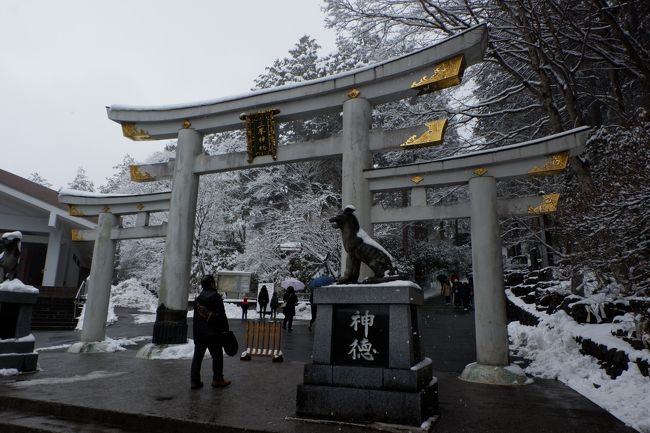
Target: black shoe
pixel 196 385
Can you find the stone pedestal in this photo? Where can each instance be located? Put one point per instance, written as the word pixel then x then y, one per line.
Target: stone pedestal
pixel 367 360
pixel 16 341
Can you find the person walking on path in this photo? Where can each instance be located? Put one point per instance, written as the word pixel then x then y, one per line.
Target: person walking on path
pixel 209 326
pixel 263 300
pixel 274 305
pixel 445 288
pixel 465 295
pixel 244 308
pixel 291 300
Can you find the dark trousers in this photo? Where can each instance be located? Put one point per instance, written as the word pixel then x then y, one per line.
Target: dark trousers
pixel 288 320
pixel 217 360
pixel 274 313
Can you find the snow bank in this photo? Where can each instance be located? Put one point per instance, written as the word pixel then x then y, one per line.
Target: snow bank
pixel 16 285
pixel 128 294
pixel 554 354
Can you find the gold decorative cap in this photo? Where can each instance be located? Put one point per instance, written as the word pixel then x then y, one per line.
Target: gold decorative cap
pixel 129 130
pixel 73 211
pixel 549 204
pixel 434 135
pixel 480 171
pixel 417 179
pixel 446 74
pixel 553 165
pixel 140 176
pixel 354 93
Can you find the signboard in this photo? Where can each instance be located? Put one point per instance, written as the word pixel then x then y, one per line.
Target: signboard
pixel 260 134
pixel 360 335
pixel 233 282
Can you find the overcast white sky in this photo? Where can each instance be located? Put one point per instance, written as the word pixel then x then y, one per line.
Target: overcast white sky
pixel 62 62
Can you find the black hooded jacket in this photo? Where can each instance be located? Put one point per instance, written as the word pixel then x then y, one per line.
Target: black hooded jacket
pixel 210 319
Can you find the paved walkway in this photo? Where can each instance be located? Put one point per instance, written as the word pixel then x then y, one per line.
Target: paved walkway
pixel 100 390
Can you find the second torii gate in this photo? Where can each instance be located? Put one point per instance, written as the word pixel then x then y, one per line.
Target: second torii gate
pixel 109 209
pixel 540 157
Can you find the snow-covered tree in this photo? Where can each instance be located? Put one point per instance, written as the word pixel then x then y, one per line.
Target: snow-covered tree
pixel 37 178
pixel 82 182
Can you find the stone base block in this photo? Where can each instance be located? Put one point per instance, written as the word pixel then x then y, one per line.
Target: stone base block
pixel 368 405
pixel 23 362
pixel 9 346
pixel 494 374
pixel 86 347
pixel 152 351
pixel 170 332
pixel 393 379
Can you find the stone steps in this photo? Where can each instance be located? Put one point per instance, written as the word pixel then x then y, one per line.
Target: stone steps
pixel 54 313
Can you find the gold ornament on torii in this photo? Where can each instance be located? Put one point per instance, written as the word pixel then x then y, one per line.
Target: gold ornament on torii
pixel 434 135
pixel 138 175
pixel 129 130
pixel 549 204
pixel 553 164
pixel 446 74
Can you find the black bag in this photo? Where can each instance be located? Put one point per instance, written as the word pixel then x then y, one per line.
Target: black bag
pixel 230 345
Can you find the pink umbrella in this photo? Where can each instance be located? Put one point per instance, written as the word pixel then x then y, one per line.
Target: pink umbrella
pixel 297 285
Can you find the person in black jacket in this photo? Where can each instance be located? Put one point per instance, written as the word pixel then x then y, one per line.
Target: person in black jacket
pixel 210 323
pixel 274 305
pixel 263 300
pixel 291 300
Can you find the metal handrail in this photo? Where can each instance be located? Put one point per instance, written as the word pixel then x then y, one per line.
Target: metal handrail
pixel 81 293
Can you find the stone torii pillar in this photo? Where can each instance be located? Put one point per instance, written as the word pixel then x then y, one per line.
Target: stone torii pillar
pixel 356 158
pixel 101 275
pixel 171 316
pixel 489 295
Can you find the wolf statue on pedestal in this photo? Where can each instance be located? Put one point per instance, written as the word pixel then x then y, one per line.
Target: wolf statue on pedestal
pixel 9 255
pixel 361 248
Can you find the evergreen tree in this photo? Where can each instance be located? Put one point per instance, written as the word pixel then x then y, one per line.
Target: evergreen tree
pixel 82 182
pixel 37 178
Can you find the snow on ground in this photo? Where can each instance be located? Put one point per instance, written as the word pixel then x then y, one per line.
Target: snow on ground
pixel 129 294
pixel 554 354
pixel 8 372
pixel 59 380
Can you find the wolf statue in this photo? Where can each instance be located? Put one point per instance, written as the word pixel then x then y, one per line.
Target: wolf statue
pixel 361 248
pixel 9 255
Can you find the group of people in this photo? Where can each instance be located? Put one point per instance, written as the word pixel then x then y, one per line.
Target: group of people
pixel 462 292
pixel 263 302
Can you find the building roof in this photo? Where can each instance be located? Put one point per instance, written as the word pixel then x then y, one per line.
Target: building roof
pixel 31 188
pixel 40 196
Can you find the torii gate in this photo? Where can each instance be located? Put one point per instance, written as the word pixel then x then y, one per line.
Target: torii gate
pixel 354 93
pixel 540 157
pixel 109 209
